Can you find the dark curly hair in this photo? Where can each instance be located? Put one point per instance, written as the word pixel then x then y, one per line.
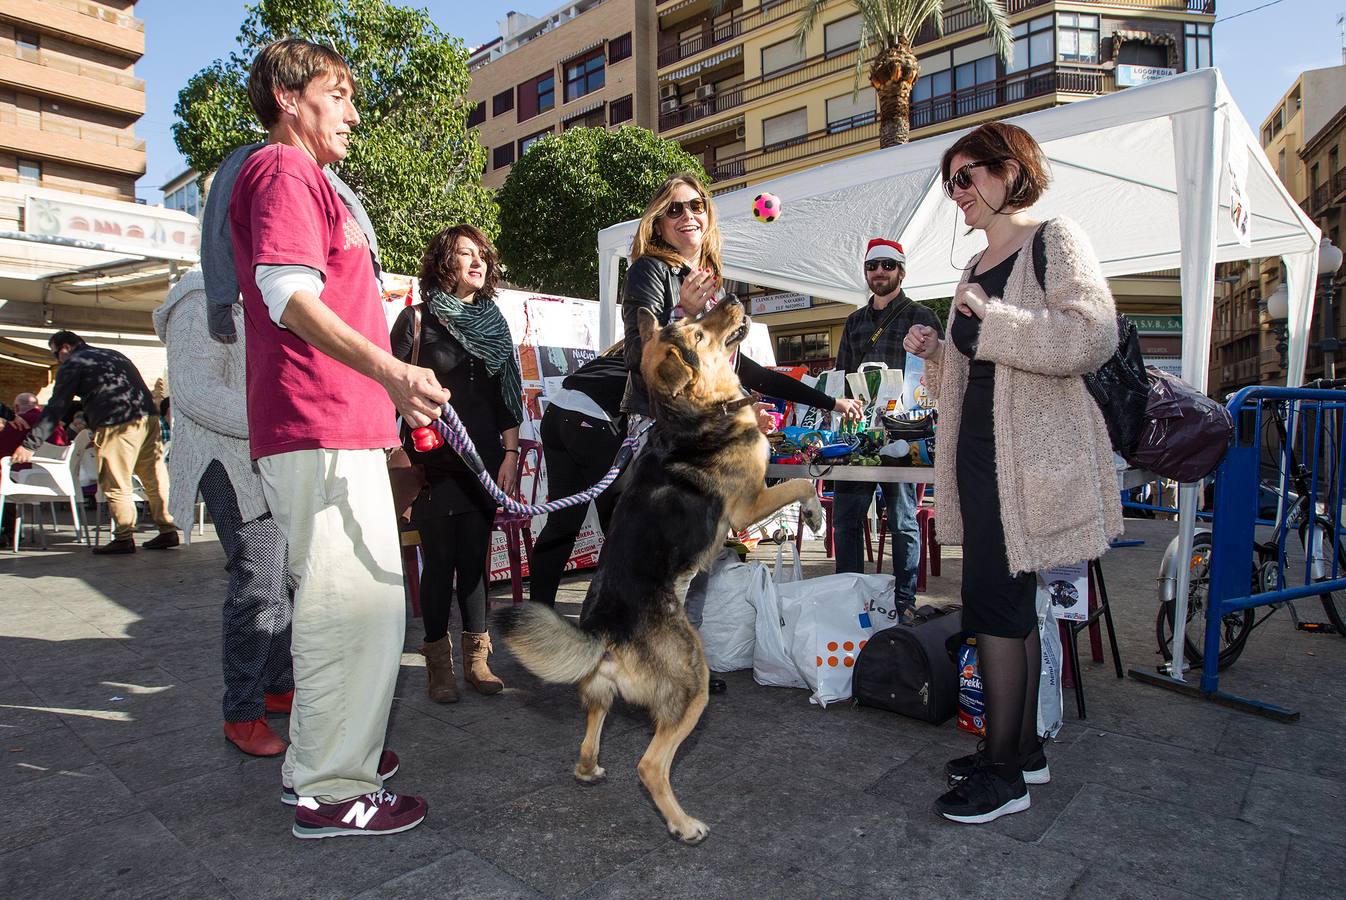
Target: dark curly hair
pixel 1001 142
pixel 437 263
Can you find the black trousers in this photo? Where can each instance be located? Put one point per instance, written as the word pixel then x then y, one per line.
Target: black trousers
pixel 579 450
pixel 454 550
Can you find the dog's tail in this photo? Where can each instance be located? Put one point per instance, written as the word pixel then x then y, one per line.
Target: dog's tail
pixel 548 644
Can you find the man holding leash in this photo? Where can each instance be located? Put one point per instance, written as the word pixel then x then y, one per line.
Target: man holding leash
pixel 322 387
pixel 874 333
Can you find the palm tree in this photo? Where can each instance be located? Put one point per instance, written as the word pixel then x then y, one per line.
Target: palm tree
pixel 888 29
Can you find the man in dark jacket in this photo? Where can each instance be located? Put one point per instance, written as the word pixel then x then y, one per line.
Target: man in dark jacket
pixel 125 423
pixel 873 333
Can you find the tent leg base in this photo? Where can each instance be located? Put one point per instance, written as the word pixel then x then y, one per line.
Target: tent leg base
pixel 1233 701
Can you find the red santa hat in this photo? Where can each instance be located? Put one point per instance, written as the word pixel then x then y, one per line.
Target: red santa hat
pixel 882 248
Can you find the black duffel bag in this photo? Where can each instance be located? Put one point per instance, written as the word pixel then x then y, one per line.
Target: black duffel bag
pixel 907 669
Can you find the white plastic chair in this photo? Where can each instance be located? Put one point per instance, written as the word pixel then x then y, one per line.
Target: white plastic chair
pixel 54 478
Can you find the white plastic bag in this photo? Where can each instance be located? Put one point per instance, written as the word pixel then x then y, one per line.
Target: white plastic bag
pixel 827 620
pixel 1050 704
pixel 771 663
pixel 729 618
pixel 782 575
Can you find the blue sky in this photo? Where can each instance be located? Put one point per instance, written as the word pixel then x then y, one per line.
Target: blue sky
pixel 1260 54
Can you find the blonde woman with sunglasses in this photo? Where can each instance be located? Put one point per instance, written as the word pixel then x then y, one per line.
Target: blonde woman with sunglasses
pixel 1024 472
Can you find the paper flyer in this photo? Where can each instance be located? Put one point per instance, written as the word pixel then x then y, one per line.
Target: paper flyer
pixel 1065 591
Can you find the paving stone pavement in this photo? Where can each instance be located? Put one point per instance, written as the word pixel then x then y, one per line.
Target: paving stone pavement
pixel 115 779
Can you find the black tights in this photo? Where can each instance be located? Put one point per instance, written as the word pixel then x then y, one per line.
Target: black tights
pixel 454 550
pixel 1010 669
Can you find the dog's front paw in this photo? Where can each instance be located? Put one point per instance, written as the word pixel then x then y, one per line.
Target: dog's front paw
pixel 591 776
pixel 813 514
pixel 690 831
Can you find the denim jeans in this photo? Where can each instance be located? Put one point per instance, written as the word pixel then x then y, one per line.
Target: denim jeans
pixel 850 504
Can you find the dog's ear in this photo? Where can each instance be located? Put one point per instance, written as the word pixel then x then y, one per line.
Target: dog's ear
pixel 648 324
pixel 674 373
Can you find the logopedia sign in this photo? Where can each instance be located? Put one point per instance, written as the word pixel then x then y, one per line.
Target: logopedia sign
pixel 136 229
pixel 1131 76
pixel 775 303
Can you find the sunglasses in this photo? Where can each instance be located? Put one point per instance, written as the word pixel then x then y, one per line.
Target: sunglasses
pixel 962 179
pixel 675 209
pixel 872 265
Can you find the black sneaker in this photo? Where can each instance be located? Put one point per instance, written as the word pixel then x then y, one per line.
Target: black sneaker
pixel 1034 765
pixel 983 796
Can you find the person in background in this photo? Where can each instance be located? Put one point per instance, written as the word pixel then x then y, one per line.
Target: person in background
pixel 126 433
pixel 465 341
pixel 210 455
pixel 23 416
pixel 1024 471
pixel 874 333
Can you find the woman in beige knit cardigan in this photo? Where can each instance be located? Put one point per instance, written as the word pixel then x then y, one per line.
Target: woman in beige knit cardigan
pixel 1024 470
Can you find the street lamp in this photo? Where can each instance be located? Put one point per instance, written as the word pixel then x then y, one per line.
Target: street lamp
pixel 1329 261
pixel 1278 311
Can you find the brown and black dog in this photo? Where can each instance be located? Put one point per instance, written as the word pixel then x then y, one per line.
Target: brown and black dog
pixel 701 474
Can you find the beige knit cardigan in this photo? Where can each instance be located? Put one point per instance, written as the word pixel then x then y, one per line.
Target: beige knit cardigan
pixel 1059 501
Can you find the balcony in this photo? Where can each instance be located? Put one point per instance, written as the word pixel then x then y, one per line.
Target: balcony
pixel 86 23
pixel 55 75
pixel 837 136
pixel 1041 82
pixel 92 146
pixel 1329 193
pixel 765 86
pixel 739 24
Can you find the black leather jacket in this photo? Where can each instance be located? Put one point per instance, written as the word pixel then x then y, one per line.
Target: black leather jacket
pixel 651 284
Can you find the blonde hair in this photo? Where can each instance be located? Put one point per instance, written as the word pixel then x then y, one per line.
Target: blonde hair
pixel 647 241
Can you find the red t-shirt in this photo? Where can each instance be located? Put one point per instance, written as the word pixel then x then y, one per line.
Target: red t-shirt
pixel 283 212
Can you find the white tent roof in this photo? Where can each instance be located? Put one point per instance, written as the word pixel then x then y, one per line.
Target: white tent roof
pixel 1145 171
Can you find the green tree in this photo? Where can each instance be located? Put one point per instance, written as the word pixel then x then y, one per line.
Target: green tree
pixel 412 158
pixel 888 30
pixel 568 187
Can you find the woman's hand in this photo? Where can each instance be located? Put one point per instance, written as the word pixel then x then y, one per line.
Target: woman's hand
pixel 697 289
pixel 851 410
pixel 508 476
pixel 971 300
pixel 924 342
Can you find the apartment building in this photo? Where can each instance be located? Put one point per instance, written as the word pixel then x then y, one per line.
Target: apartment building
pixel 587 63
pixel 1303 137
pixel 737 90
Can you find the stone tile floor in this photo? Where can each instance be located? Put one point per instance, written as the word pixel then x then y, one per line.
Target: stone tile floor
pixel 115 779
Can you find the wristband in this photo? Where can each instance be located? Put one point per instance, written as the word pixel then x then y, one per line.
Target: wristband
pixel 511 449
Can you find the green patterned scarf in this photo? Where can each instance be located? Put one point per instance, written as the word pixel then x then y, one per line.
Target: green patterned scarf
pixel 482 330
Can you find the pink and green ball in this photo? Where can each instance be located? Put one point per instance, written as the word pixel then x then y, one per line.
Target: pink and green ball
pixel 766 207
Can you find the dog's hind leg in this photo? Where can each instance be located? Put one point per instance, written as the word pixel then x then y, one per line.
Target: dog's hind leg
pixel 596 694
pixel 657 763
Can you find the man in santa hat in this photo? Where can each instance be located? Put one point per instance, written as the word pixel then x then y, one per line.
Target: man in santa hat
pixel 873 333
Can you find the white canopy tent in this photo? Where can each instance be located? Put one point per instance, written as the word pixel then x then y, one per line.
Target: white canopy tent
pixel 1150 173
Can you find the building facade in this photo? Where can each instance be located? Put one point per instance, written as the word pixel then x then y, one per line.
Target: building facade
pixel 69 98
pixel 184 193
pixel 737 90
pixel 1303 138
pixel 587 63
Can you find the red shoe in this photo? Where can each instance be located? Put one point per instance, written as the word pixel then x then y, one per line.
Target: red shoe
pixel 279 703
pixel 376 813
pixel 254 738
pixel 388 766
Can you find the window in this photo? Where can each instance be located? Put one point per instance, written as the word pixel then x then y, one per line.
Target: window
pixel 841 36
pixel 1280 166
pixel 1033 44
pixel 1313 177
pixel 799 347
pixel 783 130
pixel 620 110
pixel 1077 35
pixel 502 102
pixel 531 140
pixel 974 83
pixel 584 75
pixel 536 96
pixel 27 40
pixel 781 56
pixel 477 116
pixel 1135 53
pixel 502 156
pixel 30 171
pixel 1332 161
pixel 619 48
pixel 844 113
pixel 930 100
pixel 594 118
pixel 1196 43
pixel 546 93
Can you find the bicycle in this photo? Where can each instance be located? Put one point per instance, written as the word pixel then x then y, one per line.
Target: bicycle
pixel 1265 575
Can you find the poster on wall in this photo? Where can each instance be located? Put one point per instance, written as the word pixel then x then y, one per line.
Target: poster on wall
pixel 553 336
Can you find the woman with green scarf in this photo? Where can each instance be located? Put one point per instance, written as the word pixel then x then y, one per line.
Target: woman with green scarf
pixel 466 341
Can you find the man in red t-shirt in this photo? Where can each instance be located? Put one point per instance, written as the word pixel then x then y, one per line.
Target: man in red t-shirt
pixel 323 393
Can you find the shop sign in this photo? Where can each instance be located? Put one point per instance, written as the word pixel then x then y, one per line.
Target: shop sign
pixel 776 303
pixel 1131 76
pixel 130 230
pixel 1156 324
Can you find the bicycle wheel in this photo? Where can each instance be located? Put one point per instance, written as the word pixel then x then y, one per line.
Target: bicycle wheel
pixel 1234 627
pixel 1334 602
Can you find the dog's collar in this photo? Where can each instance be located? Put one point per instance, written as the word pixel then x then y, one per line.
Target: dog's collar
pixel 729 407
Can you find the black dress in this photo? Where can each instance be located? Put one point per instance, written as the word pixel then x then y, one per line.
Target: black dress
pixel 995 602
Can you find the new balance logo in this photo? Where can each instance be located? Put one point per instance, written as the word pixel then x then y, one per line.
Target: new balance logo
pixel 359 814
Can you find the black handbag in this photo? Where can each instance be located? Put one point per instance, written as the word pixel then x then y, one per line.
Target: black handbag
pixel 907 669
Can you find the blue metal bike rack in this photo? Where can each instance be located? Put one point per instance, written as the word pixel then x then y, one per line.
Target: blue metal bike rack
pixel 1313 416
